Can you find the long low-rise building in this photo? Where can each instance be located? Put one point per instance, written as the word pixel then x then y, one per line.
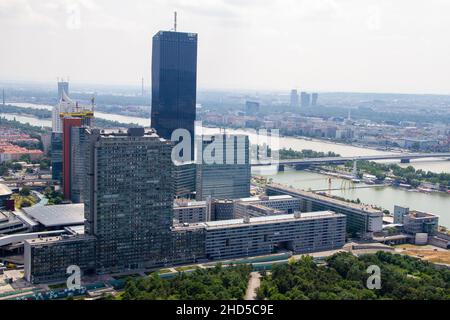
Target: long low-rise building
pixel 362 220
pixel 299 232
pixel 46 259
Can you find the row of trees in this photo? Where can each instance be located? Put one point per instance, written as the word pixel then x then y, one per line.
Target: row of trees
pixel 54 197
pixel 409 174
pixel 345 277
pixel 305 153
pixel 216 283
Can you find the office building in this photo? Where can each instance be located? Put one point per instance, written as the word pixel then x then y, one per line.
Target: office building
pixel 184 179
pixel 68 124
pixel 187 245
pixel 228 176
pixel 46 259
pixel 314 99
pixel 186 211
pixel 222 209
pixel 129 197
pixel 300 233
pixel 79 143
pixel 399 213
pixel 362 220
pixel 63 88
pixel 305 99
pixel 294 99
pixel 174 83
pixel 66 107
pixel 56 155
pixel 174 94
pixel 251 108
pixel 420 222
pixel 266 205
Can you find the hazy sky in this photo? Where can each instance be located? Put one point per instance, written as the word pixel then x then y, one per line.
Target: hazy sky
pixel 323 45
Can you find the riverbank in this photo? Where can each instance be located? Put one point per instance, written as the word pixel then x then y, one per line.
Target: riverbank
pixel 385 197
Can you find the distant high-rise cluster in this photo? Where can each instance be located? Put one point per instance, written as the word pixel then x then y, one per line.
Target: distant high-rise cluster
pixel 306 99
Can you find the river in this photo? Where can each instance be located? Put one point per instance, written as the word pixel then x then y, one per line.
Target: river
pixel 385 197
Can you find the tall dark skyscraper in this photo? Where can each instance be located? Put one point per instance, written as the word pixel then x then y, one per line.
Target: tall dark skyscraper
pixel 174 83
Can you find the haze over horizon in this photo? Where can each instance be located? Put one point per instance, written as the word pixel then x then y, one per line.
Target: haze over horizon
pixel 312 45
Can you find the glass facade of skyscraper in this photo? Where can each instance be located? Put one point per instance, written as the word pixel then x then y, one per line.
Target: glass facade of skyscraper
pixel 174 83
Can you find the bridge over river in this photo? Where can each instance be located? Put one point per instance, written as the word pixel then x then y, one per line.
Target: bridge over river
pixel 403 157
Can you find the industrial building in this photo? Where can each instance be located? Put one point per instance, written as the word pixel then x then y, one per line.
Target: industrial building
pixel 362 220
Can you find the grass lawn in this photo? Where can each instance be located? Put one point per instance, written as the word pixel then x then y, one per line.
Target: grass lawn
pixel 57 286
pixel 185 268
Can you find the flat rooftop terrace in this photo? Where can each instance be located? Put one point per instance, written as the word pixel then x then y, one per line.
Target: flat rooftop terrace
pixel 272 219
pixel 324 198
pixel 57 215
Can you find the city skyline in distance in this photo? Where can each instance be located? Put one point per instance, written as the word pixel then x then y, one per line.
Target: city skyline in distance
pixel 344 46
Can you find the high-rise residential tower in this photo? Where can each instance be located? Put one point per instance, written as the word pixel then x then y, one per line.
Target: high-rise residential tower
pixel 305 99
pixel 314 98
pixel 128 197
pixel 66 108
pixel 68 124
pixel 63 87
pixel 294 99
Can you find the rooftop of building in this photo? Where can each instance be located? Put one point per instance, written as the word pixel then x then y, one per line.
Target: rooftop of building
pixel 323 197
pixel 57 215
pixel 258 220
pixel 49 240
pixel 10 148
pixel 187 203
pixel 415 214
pixel 75 230
pixel 272 219
pixel 4 190
pixel 261 207
pixel 266 198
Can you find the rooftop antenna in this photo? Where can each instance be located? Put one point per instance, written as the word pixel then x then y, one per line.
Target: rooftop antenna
pixel 175 21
